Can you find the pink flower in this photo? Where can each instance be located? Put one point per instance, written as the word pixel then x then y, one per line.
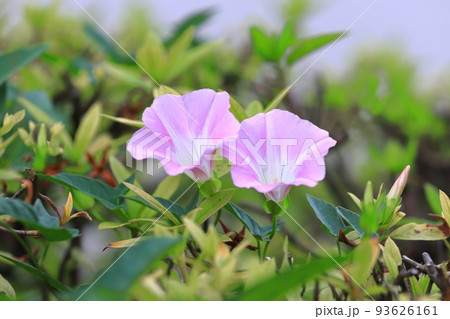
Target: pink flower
pixel 183 132
pixel 277 150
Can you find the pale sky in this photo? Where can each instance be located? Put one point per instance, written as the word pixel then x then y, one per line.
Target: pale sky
pixel 421 28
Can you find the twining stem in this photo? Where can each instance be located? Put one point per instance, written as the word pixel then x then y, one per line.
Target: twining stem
pixel 32 233
pixel 33 260
pixel 272 234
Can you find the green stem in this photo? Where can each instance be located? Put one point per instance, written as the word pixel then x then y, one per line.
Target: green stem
pixel 272 233
pixel 44 253
pixel 258 244
pixel 339 248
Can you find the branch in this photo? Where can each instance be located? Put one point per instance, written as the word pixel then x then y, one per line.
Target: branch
pixel 32 233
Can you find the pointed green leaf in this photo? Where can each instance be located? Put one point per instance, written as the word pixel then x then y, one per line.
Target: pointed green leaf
pixel 327 215
pixel 258 231
pixel 107 195
pixel 352 218
pixel 305 46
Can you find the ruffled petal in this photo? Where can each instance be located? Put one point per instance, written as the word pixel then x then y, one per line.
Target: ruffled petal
pixel 276 150
pixel 181 130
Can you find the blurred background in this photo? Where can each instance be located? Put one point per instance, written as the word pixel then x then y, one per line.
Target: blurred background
pixel 383 90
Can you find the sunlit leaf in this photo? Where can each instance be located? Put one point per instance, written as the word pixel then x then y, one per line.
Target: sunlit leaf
pixel 364 259
pixel 116 282
pixel 237 110
pixel 392 257
pixel 414 231
pixel 305 46
pixel 168 187
pixel 445 205
pixel 276 287
pixel 212 204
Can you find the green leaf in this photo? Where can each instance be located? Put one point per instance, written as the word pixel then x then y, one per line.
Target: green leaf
pixel 38 274
pixel 6 288
pixel 258 231
pixel 352 218
pixel 278 98
pixel 86 131
pixel 305 46
pixel 364 259
pixel 128 75
pixel 175 208
pixel 190 58
pixel 278 286
pixel 37 113
pixel 107 195
pixel 212 204
pixel 115 283
pixel 13 61
pixel 168 186
pixel 152 57
pixel 109 47
pixel 181 45
pixel 432 195
pixel 153 202
pixel 369 217
pixel 254 108
pixel 123 120
pixel 194 20
pixel 9 174
pixel 392 257
pixel 414 231
pixel 9 121
pixel 210 187
pixel 327 215
pixel 287 38
pixel 37 218
pixel 119 170
pixel 445 205
pixel 237 110
pixel 263 45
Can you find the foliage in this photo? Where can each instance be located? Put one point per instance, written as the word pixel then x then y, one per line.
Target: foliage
pixel 70 98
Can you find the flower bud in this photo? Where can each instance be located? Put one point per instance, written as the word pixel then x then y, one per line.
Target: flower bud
pixel 399 185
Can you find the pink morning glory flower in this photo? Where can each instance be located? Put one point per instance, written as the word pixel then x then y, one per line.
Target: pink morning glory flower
pixel 183 132
pixel 277 150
